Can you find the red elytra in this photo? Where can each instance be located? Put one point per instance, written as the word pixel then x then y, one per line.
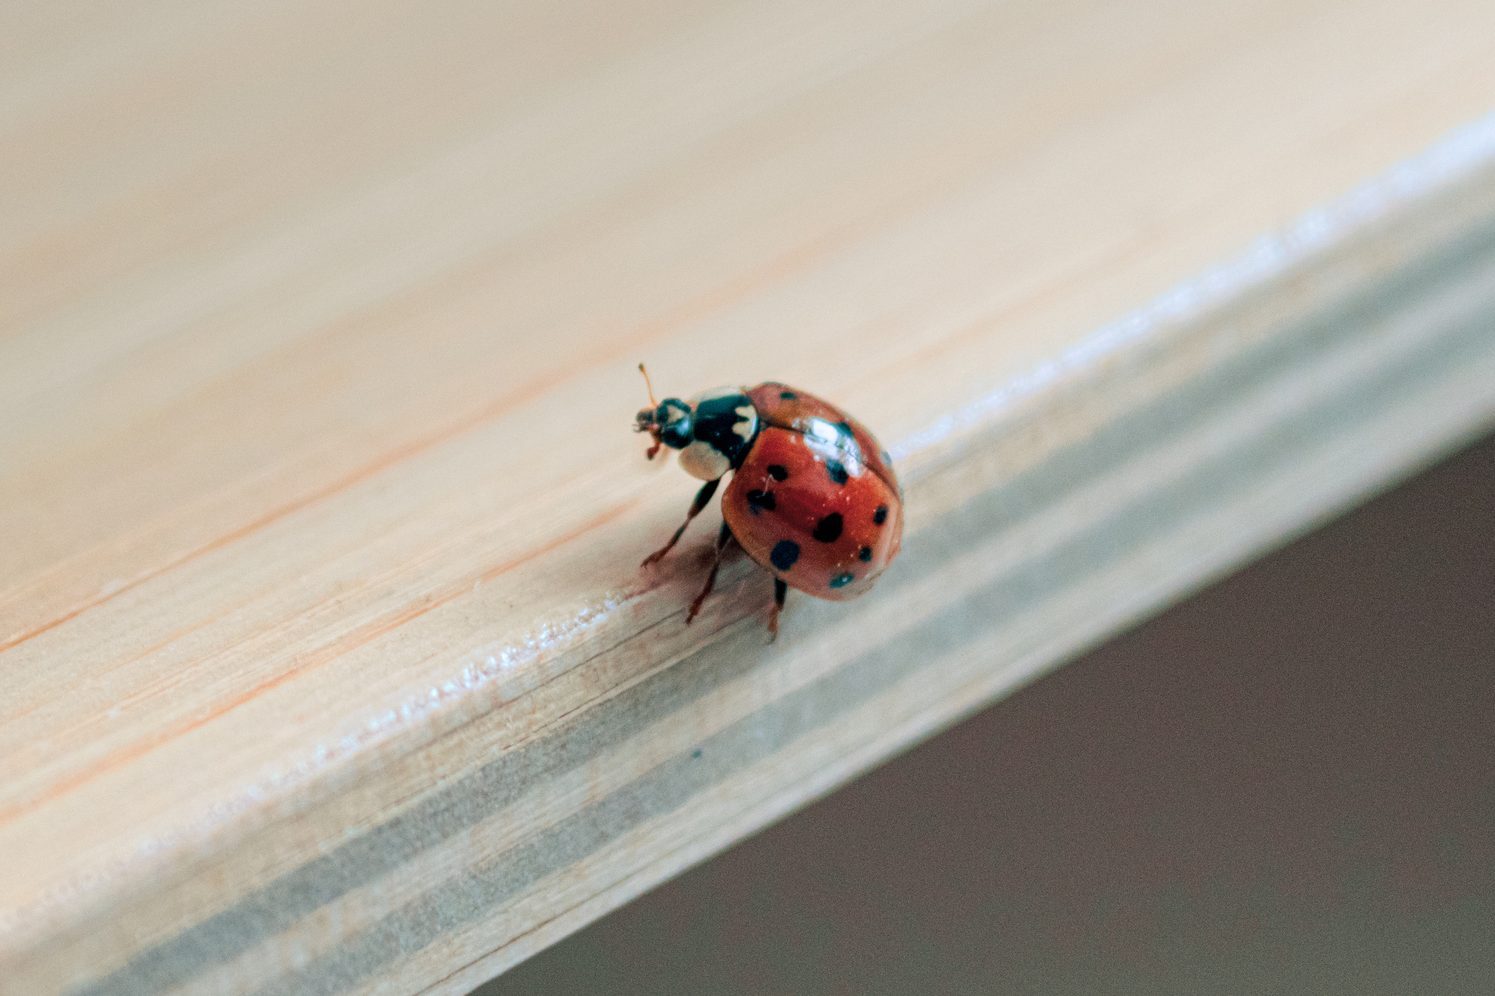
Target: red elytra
pixel 813 497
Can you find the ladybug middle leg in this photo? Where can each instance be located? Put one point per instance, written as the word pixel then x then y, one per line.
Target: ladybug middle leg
pixel 780 592
pixel 702 498
pixel 724 540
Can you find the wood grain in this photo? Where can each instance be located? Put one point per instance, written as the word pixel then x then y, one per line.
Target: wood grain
pixel 325 664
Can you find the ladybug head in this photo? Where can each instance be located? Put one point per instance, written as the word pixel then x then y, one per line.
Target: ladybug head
pixel 670 423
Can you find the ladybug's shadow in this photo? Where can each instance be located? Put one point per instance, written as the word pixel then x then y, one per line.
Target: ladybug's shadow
pixel 596 580
pixel 742 588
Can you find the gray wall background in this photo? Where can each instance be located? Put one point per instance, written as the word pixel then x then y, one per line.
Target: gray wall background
pixel 1284 785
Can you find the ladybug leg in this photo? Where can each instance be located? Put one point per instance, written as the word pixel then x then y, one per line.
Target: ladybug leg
pixel 780 592
pixel 702 497
pixel 724 539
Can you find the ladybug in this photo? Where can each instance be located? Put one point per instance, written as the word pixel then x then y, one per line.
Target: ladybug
pixel 813 498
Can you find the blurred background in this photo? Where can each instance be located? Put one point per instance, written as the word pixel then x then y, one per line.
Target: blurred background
pixel 1282 785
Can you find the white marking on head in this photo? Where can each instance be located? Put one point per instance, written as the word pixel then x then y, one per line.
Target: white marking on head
pixel 704 461
pixel 747 421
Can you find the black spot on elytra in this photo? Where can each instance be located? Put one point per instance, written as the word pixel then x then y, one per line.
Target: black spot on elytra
pixel 778 472
pixel 828 529
pixel 696 754
pixel 784 554
pixel 788 395
pixel 865 555
pixel 837 470
pixel 842 580
pixel 881 515
pixel 761 501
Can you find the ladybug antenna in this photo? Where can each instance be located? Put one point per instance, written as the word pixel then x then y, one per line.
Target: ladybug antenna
pixel 648 419
pixel 649 385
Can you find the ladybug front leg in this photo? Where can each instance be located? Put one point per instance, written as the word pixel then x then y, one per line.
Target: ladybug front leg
pixel 702 498
pixel 780 592
pixel 724 539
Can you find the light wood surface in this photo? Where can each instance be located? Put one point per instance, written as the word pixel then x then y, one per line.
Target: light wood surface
pixel 325 662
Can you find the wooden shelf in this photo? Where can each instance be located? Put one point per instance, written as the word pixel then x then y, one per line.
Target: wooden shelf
pixel 326 662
